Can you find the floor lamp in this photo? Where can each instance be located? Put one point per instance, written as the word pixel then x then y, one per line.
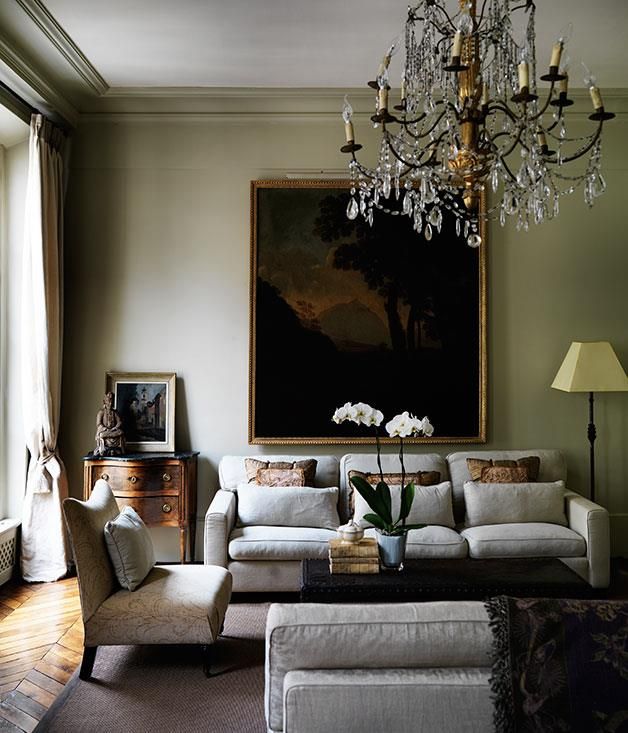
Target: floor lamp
pixel 591 366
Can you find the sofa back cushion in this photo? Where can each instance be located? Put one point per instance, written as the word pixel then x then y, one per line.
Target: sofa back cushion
pixel 514 503
pixel 367 463
pixel 288 506
pixel 552 468
pixel 431 505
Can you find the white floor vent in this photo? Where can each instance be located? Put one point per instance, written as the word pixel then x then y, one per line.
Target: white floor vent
pixel 8 546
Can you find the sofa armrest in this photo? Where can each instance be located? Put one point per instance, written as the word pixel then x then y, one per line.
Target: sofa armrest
pixel 591 521
pixel 219 521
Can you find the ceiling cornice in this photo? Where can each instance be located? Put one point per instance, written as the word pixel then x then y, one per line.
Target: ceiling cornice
pixel 32 85
pixel 49 26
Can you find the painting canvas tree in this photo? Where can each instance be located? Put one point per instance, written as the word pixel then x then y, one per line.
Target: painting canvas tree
pixel 343 311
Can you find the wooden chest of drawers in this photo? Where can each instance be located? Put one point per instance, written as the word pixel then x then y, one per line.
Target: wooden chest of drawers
pixel 161 487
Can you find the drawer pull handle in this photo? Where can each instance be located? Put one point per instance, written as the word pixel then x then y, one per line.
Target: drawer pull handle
pixel 104 476
pixel 166 508
pixel 133 479
pixel 167 477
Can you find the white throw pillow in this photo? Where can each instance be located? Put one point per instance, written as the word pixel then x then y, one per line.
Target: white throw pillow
pixel 130 548
pixel 288 506
pixel 431 505
pixel 512 503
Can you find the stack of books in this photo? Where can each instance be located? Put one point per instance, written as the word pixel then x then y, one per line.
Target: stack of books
pixel 353 557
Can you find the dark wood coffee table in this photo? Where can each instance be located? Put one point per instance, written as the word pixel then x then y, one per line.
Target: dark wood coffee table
pixel 445 580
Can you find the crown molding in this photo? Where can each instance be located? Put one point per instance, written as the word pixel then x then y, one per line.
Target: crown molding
pixel 229 104
pixel 29 83
pixel 49 26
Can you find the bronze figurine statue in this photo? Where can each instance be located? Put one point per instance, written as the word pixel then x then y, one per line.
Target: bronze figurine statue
pixel 109 434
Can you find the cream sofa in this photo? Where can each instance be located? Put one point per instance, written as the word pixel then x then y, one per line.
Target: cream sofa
pixel 263 558
pixel 407 668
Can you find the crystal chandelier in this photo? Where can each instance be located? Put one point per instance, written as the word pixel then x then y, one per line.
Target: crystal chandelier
pixel 470 115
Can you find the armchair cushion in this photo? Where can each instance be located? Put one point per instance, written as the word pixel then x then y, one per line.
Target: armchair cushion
pixel 130 548
pixel 288 506
pixel 512 503
pixel 176 604
pixel 527 539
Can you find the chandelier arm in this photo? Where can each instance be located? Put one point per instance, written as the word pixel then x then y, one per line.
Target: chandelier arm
pixel 528 5
pixel 504 108
pixel 420 136
pixel 444 12
pixel 585 149
pixel 546 105
pixel 481 18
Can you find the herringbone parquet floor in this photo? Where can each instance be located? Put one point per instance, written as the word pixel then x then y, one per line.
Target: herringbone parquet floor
pixel 41 643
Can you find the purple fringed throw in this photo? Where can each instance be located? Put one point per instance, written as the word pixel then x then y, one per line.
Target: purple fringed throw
pixel 559 665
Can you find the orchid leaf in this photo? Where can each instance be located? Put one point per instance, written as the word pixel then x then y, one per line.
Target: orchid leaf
pixel 407 497
pixel 376 521
pixel 383 492
pixel 371 497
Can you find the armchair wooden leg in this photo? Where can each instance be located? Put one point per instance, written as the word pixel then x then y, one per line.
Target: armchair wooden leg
pixel 87 665
pixel 207 659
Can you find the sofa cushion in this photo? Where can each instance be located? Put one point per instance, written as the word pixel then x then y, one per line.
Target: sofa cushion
pixel 252 466
pixel 504 475
pixel 432 541
pixel 279 543
pixel 531 464
pixel 552 468
pixel 502 503
pixel 529 539
pixel 280 477
pixel 419 478
pixel 288 506
pixel 431 505
pixel 231 470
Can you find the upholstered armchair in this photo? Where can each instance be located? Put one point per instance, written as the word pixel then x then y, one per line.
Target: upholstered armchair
pixel 174 604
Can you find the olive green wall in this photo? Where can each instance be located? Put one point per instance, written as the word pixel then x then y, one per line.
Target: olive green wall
pixel 158 274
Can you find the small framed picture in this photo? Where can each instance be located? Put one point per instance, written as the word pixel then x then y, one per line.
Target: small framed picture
pixel 145 402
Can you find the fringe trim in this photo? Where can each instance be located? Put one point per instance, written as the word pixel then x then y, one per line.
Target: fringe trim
pixel 501 676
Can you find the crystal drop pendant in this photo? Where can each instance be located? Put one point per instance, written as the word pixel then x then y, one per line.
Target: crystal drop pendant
pixel 386 187
pixel 428 232
pixel 433 217
pixel 457 226
pixel 352 209
pixel 494 180
pixel 407 204
pixel 474 240
pixel 418 220
pixel 369 216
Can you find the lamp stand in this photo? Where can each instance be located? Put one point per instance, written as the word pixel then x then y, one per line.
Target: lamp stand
pixel 591 434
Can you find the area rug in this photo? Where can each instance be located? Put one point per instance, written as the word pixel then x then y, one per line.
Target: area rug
pixel 559 665
pixel 149 689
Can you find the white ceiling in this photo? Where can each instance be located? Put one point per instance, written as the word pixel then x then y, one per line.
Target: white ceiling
pixel 295 43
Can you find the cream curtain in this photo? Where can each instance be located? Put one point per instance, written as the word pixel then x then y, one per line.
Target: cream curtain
pixel 44 545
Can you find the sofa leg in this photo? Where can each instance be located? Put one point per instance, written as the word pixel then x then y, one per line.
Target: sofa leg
pixel 206 650
pixel 87 665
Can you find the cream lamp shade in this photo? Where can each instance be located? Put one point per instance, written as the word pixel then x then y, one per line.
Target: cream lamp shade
pixel 591 366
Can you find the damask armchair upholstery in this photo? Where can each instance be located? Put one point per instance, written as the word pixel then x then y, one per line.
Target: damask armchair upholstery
pixel 175 604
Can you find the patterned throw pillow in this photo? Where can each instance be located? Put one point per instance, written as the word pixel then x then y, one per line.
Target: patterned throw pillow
pixel 418 478
pixel 252 465
pixel 531 463
pixel 280 477
pixel 504 475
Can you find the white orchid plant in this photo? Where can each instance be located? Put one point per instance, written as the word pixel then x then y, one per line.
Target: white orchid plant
pixel 379 500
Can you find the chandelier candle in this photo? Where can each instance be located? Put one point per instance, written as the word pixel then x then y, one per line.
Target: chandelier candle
pixel 471 116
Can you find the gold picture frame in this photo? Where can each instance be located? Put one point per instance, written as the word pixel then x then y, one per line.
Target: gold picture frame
pixel 145 402
pixel 269 233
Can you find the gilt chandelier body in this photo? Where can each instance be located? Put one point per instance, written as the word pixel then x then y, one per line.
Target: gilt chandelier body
pixel 471 116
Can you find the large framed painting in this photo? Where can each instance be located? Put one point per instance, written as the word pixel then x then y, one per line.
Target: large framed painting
pixel 145 402
pixel 345 312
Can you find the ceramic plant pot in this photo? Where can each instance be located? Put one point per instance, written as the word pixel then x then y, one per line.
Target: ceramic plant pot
pixel 392 550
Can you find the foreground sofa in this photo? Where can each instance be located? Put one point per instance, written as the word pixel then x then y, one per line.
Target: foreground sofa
pixel 263 558
pixel 407 668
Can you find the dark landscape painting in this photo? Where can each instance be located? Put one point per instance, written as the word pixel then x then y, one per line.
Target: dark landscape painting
pixel 345 312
